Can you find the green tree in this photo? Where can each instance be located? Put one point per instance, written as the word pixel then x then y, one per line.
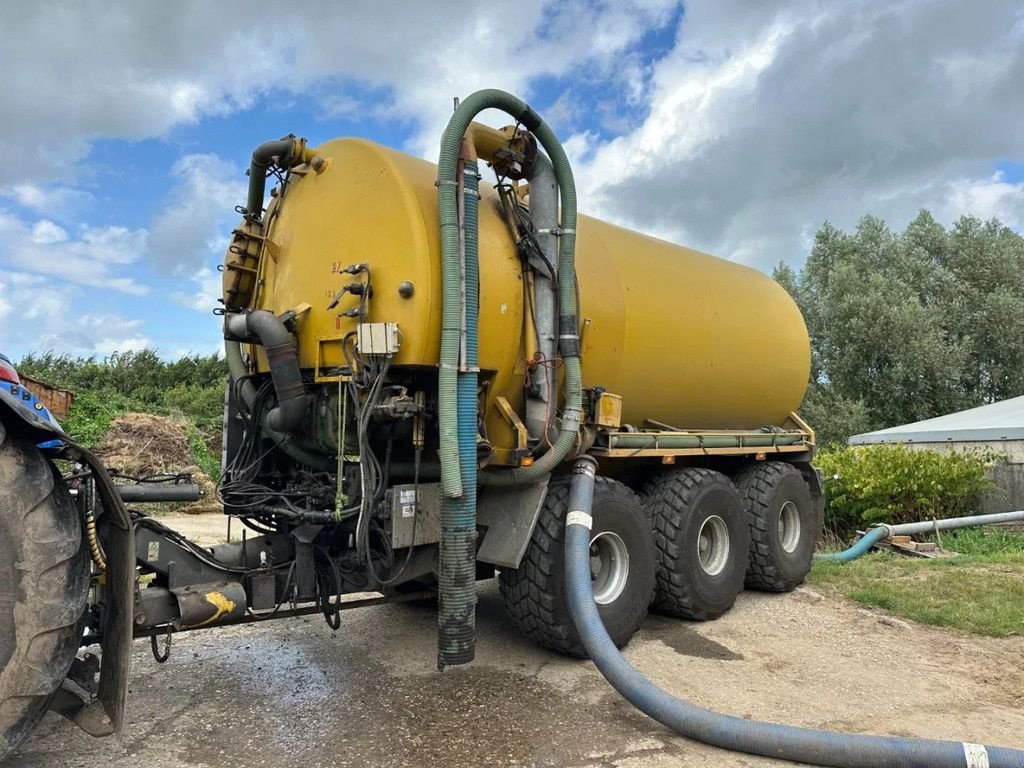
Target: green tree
pixel 909 325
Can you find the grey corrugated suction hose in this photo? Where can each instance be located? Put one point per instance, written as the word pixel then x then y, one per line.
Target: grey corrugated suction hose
pixel 805 745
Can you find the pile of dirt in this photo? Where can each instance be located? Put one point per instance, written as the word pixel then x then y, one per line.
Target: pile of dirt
pixel 144 444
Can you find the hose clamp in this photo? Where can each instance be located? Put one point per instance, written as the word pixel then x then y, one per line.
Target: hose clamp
pixel 578 517
pixel 975 755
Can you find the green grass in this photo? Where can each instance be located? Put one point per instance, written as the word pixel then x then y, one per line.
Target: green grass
pixel 204 457
pixel 981 590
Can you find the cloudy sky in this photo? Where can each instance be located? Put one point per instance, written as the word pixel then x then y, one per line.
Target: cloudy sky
pixel 733 126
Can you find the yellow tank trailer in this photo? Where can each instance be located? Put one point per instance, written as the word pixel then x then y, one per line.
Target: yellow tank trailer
pixel 678 371
pixel 683 338
pixel 420 364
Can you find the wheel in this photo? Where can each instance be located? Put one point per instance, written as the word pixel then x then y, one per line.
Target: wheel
pixel 621 560
pixel 784 525
pixel 44 582
pixel 701 535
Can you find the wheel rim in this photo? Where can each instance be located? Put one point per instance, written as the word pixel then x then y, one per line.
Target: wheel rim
pixel 789 527
pixel 713 545
pixel 609 566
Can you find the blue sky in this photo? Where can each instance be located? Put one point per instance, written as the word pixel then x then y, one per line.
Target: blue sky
pixel 732 127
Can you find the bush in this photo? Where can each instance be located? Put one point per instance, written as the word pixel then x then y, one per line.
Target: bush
pixel 91 414
pixel 192 388
pixel 870 484
pixel 203 405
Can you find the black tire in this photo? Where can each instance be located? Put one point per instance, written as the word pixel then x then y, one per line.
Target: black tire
pixel 693 509
pixel 780 556
pixel 534 593
pixel 44 583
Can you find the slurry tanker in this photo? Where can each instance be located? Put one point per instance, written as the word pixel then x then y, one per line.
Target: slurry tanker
pixel 434 381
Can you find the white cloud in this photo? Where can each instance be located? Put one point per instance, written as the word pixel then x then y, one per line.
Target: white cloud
pixel 34 312
pixel 6 308
pixel 199 214
pixel 207 294
pixel 142 70
pixel 986 198
pixel 91 259
pixel 770 118
pixel 45 232
pixel 47 199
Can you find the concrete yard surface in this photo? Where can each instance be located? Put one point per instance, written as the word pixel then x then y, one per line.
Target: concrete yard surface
pixel 292 693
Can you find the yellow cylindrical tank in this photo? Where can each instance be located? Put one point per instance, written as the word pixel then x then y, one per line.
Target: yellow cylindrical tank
pixel 683 337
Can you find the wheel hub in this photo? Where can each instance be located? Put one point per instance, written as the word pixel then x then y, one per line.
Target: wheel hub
pixel 609 567
pixel 789 527
pixel 713 545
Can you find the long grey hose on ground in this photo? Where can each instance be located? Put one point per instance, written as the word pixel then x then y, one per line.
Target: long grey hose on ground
pixel 806 745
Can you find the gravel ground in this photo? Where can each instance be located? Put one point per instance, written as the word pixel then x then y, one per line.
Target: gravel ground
pixel 292 693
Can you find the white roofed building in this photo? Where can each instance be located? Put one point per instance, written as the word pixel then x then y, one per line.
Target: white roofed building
pixel 996 428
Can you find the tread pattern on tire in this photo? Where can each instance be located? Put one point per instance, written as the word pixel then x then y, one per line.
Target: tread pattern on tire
pixel 676 489
pixel 532 592
pixel 756 484
pixel 54 579
pixel 528 590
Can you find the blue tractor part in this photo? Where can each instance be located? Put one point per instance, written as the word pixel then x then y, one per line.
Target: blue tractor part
pixel 21 397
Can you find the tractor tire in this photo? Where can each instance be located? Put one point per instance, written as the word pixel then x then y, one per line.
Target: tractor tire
pixel 622 558
pixel 702 538
pixel 784 525
pixel 44 583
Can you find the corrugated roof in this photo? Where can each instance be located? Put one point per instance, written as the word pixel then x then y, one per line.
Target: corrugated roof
pixel 999 421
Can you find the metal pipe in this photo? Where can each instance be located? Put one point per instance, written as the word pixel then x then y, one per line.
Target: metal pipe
pixel 908 529
pixel 267 329
pixel 158 492
pixel 882 531
pixel 540 408
pixel 804 745
pixel 279 152
pixel 642 440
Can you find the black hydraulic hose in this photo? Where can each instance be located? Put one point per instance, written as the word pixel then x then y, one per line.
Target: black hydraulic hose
pixel 268 153
pixel 268 329
pixel 805 745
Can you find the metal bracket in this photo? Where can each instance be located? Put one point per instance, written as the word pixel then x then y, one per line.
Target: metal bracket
pixel 509 514
pixel 87 715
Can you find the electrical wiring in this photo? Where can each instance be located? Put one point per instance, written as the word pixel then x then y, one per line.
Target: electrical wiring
pixel 144 521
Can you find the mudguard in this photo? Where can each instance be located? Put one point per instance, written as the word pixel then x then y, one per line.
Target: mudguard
pixel 26 421
pixel 22 419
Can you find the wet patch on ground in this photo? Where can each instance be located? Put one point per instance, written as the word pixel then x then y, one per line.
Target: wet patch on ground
pixel 681 639
pixel 307 703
